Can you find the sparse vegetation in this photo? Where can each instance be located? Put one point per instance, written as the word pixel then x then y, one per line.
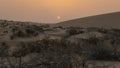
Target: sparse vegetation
pixel 43 52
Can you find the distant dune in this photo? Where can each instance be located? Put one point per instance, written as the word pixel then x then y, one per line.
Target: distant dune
pixel 110 20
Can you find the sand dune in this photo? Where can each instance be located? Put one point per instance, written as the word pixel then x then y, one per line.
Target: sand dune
pixel 110 20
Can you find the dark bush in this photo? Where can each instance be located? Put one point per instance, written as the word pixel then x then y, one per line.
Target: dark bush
pixel 72 32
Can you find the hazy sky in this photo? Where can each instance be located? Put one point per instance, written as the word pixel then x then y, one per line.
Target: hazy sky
pixel 51 11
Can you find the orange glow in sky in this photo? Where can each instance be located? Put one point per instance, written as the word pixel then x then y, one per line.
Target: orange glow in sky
pixel 48 10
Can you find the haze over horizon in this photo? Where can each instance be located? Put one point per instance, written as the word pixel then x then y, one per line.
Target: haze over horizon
pixel 52 11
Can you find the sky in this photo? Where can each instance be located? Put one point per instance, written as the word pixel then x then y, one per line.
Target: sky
pixel 54 11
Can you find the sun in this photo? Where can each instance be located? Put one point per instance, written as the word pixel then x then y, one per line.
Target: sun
pixel 58 17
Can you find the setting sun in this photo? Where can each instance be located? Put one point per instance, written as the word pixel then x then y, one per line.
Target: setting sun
pixel 58 17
